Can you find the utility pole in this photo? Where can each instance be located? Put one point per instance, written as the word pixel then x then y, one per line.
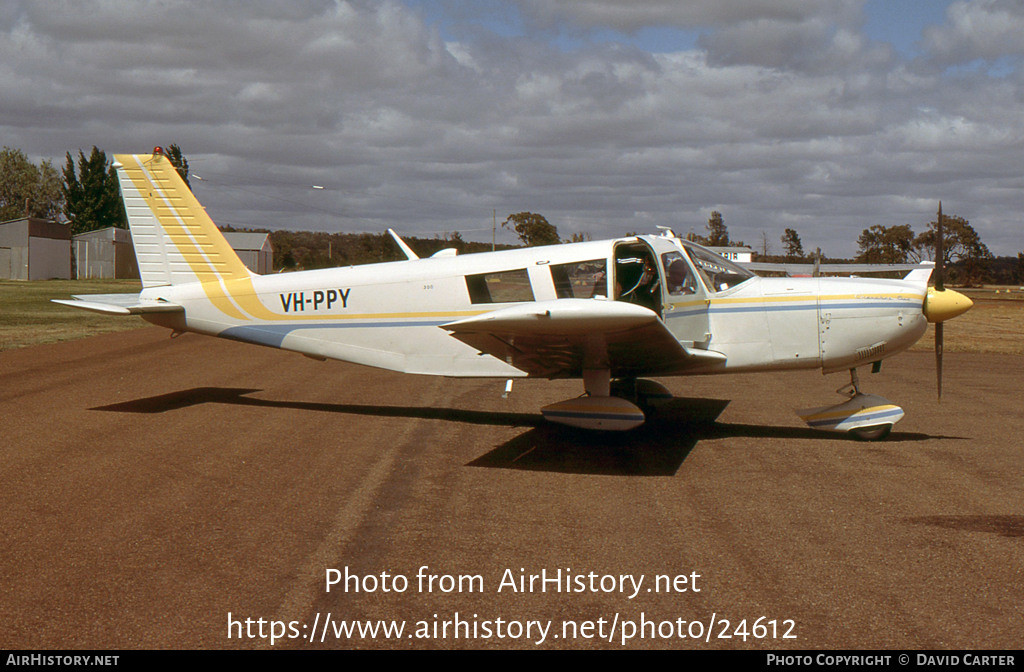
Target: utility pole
pixel 494 229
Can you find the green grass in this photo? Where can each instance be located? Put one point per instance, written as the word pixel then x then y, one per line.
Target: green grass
pixel 27 317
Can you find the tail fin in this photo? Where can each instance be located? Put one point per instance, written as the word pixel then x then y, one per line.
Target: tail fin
pixel 175 240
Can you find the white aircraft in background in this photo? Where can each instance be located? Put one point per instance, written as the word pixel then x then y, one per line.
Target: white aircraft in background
pixel 610 312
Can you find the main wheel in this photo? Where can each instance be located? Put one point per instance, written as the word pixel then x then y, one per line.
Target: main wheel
pixel 873 433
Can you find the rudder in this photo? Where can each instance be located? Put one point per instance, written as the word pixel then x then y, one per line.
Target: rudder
pixel 175 241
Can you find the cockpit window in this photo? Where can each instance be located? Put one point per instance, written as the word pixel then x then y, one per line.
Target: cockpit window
pixel 719 274
pixel 679 278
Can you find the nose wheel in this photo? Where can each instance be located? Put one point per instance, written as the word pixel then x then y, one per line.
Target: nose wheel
pixel 867 416
pixel 872 433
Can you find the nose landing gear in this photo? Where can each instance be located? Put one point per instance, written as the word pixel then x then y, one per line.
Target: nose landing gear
pixel 866 416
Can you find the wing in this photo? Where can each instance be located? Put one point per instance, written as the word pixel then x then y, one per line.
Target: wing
pixel 120 304
pixel 558 339
pixel 808 269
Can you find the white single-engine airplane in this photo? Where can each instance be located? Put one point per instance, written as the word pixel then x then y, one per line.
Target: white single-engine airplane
pixel 609 312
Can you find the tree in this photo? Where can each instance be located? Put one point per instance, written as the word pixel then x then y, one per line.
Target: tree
pixel 961 246
pixel 533 229
pixel 179 162
pixel 28 189
pixel 92 199
pixel 960 241
pixel 885 245
pixel 718 234
pixel 794 247
pixel 766 246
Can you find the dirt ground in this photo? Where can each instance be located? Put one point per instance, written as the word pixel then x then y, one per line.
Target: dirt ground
pixel 151 487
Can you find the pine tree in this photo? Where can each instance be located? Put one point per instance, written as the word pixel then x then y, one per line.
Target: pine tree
pixel 179 162
pixel 794 246
pixel 92 198
pixel 718 234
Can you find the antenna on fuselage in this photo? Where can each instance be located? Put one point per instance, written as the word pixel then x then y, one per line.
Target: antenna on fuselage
pixel 409 254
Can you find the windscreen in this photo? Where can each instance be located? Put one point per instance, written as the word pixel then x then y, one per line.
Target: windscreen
pixel 718 273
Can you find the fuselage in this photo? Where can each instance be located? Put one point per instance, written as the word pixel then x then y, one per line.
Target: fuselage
pixel 391 315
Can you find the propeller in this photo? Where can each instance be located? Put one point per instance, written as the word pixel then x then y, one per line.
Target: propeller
pixel 941 304
pixel 940 272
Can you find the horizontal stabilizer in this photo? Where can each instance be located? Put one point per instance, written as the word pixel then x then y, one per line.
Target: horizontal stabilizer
pixel 120 304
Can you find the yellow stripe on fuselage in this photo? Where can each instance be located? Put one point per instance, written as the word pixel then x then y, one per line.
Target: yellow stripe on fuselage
pixel 781 300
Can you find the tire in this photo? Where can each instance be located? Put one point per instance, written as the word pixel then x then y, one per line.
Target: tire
pixel 873 433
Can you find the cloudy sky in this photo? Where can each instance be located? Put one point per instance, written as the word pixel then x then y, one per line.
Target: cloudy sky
pixel 826 116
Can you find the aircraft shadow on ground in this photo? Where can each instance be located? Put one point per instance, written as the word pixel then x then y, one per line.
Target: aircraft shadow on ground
pixel 657 448
pixel 238 397
pixel 1010 526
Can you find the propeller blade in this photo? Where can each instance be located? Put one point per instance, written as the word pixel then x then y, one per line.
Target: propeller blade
pixel 940 286
pixel 940 256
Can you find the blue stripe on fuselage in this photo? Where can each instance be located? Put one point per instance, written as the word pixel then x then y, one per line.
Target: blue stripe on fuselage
pixel 274 334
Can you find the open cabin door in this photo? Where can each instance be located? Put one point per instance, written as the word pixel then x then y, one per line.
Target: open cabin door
pixel 686 312
pixel 637 276
pixel 649 271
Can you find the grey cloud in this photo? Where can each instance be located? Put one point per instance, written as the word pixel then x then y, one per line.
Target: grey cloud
pixel 807 124
pixel 637 14
pixel 982 29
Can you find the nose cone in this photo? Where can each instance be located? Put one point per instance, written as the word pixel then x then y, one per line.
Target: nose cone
pixel 941 306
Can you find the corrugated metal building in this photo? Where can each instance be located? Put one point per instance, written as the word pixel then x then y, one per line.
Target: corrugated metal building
pixel 105 253
pixel 35 249
pixel 108 253
pixel 254 249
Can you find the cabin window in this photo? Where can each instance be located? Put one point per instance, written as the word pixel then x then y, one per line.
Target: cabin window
pixel 580 280
pixel 504 287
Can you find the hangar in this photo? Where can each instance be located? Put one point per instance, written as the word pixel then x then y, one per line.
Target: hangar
pixel 254 249
pixel 106 254
pixel 35 249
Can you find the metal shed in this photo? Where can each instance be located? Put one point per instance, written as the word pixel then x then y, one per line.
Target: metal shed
pixel 105 253
pixel 35 249
pixel 254 249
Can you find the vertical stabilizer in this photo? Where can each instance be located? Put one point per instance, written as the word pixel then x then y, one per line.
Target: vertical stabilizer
pixel 175 240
